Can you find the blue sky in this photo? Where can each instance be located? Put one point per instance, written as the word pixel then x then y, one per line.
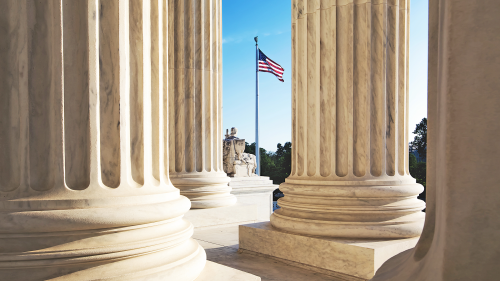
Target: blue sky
pixel 241 21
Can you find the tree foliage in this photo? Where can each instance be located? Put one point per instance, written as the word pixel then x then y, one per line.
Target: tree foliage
pixel 418 170
pixel 419 143
pixel 275 165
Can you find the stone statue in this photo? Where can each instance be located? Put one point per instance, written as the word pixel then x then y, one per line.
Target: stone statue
pixel 236 162
pixel 233 134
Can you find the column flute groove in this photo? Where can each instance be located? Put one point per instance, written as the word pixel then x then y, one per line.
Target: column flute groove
pixel 89 196
pixel 361 187
pixel 195 95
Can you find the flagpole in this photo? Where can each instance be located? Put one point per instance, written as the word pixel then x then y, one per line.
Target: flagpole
pixel 257 149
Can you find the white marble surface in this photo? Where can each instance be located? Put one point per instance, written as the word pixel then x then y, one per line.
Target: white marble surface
pixel 256 181
pixel 217 272
pixel 254 204
pixel 195 103
pixel 349 173
pixel 351 259
pixel 221 245
pixel 460 240
pixel 84 199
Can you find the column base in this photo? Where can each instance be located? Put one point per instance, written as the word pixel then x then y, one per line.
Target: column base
pixel 183 261
pixel 373 209
pixel 254 205
pixel 204 190
pixel 404 227
pixel 346 259
pixel 99 239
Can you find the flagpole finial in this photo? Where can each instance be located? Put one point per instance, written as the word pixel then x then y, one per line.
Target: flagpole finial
pixel 256 38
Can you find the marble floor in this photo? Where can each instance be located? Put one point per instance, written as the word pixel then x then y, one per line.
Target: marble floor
pixel 221 245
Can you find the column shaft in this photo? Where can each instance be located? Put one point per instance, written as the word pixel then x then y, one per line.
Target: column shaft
pixel 195 102
pixel 84 184
pixel 462 226
pixel 349 122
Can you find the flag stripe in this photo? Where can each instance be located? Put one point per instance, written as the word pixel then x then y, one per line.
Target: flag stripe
pixel 268 65
pixel 274 68
pixel 268 70
pixel 261 65
pixel 273 63
pixel 265 70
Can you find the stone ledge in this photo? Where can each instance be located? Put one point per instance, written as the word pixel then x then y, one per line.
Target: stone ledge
pixel 252 183
pixel 217 272
pixel 345 259
pixel 256 180
pixel 253 205
pixel 337 276
pixel 221 246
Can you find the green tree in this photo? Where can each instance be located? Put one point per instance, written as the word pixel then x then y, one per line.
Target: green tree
pixel 275 165
pixel 250 148
pixel 419 143
pixel 418 170
pixel 267 163
pixel 412 160
pixel 283 161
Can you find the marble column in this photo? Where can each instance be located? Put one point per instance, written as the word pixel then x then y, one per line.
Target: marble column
pixel 84 184
pixel 462 226
pixel 350 173
pixel 195 102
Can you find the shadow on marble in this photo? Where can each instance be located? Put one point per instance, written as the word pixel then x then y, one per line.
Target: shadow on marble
pixel 221 246
pixel 218 272
pixel 266 268
pixel 222 236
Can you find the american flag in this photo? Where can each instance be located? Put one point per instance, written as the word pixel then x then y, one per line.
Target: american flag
pixel 268 65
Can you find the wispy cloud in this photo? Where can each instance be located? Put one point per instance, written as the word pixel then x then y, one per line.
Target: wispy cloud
pixel 227 40
pixel 236 38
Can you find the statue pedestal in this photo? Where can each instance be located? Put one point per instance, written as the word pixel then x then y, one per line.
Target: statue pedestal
pixel 346 259
pixel 241 170
pixel 239 183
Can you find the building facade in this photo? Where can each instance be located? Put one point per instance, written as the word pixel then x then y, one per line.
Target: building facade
pixel 110 110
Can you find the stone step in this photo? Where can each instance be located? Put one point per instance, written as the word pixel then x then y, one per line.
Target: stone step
pixel 250 181
pixel 253 205
pixel 348 259
pixel 249 178
pixel 256 183
pixel 221 246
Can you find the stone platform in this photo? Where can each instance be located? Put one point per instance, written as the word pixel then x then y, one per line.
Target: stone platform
pixel 251 182
pixel 346 259
pixel 254 204
pixel 221 246
pixel 217 272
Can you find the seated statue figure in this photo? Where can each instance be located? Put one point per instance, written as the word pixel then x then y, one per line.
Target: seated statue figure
pixel 236 162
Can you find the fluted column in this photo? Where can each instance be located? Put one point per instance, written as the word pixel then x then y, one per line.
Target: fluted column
pixel 350 173
pixel 462 226
pixel 84 185
pixel 195 102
